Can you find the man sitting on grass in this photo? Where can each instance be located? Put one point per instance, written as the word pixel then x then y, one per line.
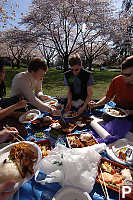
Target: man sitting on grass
pixel 79 83
pixel 120 89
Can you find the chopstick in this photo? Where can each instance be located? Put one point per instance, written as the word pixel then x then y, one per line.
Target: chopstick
pixel 26 108
pixel 90 110
pixel 104 188
pixel 62 118
pixel 19 138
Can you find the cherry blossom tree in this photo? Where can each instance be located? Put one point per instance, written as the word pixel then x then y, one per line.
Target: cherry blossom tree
pixel 19 44
pixel 61 22
pixel 47 49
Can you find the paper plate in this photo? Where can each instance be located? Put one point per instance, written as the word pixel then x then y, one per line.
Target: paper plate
pixel 71 193
pixel 51 102
pixel 114 147
pixel 34 112
pixel 116 112
pixel 23 181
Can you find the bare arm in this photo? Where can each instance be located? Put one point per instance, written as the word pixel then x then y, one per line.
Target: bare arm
pixel 4 187
pixel 101 102
pixel 130 112
pixel 88 98
pixel 69 100
pixel 23 88
pixel 39 92
pixel 9 110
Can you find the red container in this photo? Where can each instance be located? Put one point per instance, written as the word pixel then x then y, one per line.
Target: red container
pixel 45 146
pixel 114 169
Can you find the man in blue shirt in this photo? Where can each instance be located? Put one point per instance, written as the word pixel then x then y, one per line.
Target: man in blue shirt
pixel 79 83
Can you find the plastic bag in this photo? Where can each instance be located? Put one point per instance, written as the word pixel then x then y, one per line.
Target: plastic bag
pixel 72 167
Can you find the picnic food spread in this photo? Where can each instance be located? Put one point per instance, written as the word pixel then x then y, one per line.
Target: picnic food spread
pixel 22 156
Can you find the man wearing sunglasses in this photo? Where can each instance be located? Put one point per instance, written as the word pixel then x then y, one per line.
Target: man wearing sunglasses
pixel 121 88
pixel 79 83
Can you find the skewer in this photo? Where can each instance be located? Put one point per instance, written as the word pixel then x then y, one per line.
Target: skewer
pixel 19 138
pixel 105 188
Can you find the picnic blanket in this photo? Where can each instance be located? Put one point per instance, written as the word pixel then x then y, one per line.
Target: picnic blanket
pixel 36 191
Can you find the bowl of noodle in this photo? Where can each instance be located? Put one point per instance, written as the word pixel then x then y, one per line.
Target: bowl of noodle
pixel 19 161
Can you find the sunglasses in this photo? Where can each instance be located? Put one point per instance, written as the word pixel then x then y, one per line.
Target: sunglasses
pixel 75 70
pixel 127 75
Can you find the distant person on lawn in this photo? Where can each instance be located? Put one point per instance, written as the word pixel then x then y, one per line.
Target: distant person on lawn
pixel 120 89
pixel 26 83
pixel 79 83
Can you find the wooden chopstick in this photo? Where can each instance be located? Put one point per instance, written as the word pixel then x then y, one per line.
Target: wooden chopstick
pixel 18 136
pixel 104 188
pixel 22 139
pixel 26 108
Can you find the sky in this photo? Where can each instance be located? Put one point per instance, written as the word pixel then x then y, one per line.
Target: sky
pixel 23 6
pixel 20 6
pixel 118 3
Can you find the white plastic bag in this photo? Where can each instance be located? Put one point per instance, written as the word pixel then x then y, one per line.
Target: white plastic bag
pixel 74 167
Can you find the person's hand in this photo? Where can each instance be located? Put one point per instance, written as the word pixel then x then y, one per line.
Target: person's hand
pixel 6 133
pixel 55 112
pixel 21 104
pixel 4 188
pixel 44 98
pixel 68 107
pixel 129 112
pixel 92 104
pixel 80 110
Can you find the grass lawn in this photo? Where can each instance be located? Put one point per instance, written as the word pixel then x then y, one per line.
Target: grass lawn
pixel 53 83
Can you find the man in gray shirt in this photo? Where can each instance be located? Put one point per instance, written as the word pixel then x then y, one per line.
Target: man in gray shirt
pixel 29 85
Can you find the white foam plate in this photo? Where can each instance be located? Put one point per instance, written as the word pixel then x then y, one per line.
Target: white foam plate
pixel 118 144
pixel 23 181
pixel 52 102
pixel 71 193
pixel 35 112
pixel 113 114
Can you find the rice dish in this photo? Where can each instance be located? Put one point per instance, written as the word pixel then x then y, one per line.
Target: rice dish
pixel 8 169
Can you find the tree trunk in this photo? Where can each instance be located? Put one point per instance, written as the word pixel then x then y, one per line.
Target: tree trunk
pixel 48 63
pixel 12 64
pixel 89 62
pixel 65 63
pixel 18 64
